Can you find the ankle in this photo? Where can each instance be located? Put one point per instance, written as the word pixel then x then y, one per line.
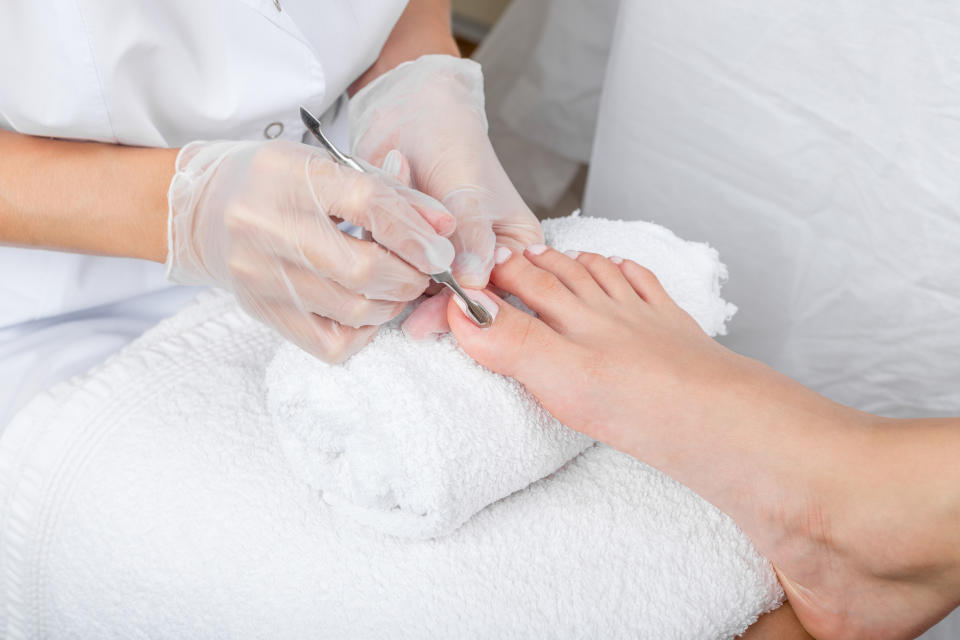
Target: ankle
pixel 881 557
pixel 792 447
pixel 860 516
pixel 908 491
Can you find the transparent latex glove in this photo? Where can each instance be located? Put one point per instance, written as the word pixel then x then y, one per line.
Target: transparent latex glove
pixel 431 111
pixel 259 219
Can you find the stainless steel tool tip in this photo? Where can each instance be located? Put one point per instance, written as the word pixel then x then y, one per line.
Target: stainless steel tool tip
pixel 477 311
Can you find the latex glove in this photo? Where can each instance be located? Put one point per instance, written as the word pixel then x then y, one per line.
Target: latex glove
pixel 431 110
pixel 259 219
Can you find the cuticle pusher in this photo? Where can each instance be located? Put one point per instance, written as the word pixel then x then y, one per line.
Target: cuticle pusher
pixel 477 312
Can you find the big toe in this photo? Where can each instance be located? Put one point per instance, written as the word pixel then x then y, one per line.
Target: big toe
pixel 429 320
pixel 512 345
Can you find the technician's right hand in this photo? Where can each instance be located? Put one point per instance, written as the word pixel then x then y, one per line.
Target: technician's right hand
pixel 259 219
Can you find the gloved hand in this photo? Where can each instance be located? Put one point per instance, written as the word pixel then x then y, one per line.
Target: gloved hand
pixel 431 111
pixel 259 219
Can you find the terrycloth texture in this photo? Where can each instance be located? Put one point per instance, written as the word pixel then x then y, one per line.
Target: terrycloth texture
pixel 150 499
pixel 413 438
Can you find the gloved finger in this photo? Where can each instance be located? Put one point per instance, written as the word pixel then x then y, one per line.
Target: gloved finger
pixel 361 266
pixel 395 169
pixel 329 299
pixel 399 178
pixel 333 301
pixel 316 245
pixel 474 242
pixel 432 211
pixel 370 202
pixel 518 232
pixel 322 337
pixel 429 319
pixel 481 226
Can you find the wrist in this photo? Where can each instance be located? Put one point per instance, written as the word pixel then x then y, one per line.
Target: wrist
pixel 161 246
pixel 775 453
pixel 149 233
pixel 389 61
pixel 423 29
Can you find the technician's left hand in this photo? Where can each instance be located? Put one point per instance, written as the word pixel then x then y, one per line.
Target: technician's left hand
pixel 431 111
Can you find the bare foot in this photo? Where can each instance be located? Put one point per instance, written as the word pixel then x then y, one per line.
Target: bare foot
pixel 609 345
pixel 821 489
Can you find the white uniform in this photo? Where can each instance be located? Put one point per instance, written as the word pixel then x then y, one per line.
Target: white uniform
pixel 159 74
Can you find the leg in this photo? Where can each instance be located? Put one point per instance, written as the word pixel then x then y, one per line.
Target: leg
pixel 860 516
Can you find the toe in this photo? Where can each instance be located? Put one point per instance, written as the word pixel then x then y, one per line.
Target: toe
pixel 566 268
pixel 429 320
pixel 511 345
pixel 644 282
pixel 539 289
pixel 608 276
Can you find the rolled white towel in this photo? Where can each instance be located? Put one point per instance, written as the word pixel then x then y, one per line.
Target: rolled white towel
pixel 413 438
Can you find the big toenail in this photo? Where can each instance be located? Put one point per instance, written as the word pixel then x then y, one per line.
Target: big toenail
pixel 478 296
pixel 502 254
pixel 536 249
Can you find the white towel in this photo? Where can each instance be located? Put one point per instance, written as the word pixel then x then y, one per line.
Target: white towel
pixel 414 438
pixel 149 499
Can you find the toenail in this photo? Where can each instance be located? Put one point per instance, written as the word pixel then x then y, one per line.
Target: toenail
pixel 536 249
pixel 502 254
pixel 616 259
pixel 573 255
pixel 478 296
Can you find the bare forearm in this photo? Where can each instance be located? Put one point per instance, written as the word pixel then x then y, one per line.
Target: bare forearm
pixel 424 28
pixel 84 197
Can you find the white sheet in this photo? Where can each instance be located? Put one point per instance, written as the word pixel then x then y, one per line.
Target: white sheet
pixel 543 65
pixel 814 144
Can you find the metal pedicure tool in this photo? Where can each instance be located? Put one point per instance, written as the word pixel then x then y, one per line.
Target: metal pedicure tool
pixel 476 311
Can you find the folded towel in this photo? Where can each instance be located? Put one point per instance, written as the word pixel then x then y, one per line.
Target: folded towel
pixel 413 438
pixel 150 499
